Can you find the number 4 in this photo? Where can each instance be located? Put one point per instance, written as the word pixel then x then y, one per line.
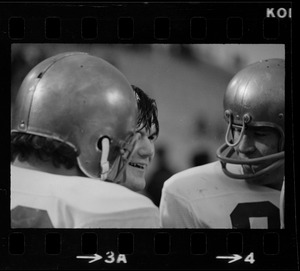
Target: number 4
pixel 250 258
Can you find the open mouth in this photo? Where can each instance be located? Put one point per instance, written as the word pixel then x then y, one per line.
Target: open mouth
pixel 137 165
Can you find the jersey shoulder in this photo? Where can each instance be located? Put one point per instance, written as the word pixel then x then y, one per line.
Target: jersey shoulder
pixel 81 199
pixel 92 193
pixel 205 178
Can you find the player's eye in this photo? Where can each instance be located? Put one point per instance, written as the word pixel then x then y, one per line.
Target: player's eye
pixel 152 137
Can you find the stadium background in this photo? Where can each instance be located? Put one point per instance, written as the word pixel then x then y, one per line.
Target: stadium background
pixel 188 82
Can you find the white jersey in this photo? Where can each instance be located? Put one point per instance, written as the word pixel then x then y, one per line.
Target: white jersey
pixel 204 197
pixel 43 200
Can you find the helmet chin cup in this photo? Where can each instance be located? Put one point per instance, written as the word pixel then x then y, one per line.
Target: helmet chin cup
pixel 225 153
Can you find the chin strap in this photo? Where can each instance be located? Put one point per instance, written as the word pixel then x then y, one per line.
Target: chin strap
pixel 123 160
pixel 117 172
pixel 104 164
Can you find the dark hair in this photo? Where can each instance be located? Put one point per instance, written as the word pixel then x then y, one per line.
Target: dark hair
pixel 46 149
pixel 147 110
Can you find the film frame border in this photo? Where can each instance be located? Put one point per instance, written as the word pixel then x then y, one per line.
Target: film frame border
pixel 149 23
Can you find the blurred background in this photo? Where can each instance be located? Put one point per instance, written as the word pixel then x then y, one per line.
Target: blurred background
pixel 186 80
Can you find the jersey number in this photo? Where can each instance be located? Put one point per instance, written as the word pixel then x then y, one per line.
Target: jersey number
pixel 240 216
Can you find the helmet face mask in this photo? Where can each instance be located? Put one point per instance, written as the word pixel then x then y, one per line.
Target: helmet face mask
pixel 254 99
pixel 78 99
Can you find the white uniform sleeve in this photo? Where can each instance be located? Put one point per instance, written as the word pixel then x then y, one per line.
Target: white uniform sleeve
pixel 40 199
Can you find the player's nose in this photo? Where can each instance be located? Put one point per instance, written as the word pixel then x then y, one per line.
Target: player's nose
pixel 146 148
pixel 246 145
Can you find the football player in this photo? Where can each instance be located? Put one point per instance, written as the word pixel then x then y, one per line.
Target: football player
pixel 243 189
pixel 144 151
pixel 73 133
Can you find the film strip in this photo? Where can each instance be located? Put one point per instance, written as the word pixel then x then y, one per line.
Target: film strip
pixel 88 24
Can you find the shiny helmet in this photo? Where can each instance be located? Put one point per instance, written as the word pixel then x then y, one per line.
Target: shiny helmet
pixel 84 102
pixel 254 97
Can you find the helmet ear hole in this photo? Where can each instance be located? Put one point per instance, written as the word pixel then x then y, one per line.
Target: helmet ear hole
pixel 99 143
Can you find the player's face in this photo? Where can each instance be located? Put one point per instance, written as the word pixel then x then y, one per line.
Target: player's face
pixel 140 160
pixel 255 143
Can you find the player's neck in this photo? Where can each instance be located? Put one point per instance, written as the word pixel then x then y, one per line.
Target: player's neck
pixel 276 178
pixel 35 164
pixel 276 186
